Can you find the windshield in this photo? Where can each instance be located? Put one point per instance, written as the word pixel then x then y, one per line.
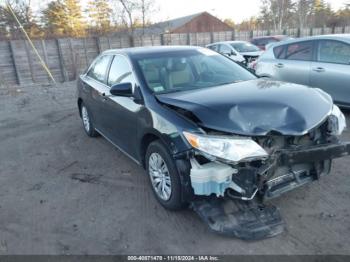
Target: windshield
pixel 190 69
pixel 245 47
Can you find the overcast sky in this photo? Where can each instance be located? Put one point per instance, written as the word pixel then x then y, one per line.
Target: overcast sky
pixel 237 10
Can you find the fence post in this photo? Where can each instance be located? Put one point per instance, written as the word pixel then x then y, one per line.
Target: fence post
pixel 13 56
pixel 29 60
pixel 233 35
pixel 333 29
pixel 43 47
pixel 109 42
pixel 311 32
pixel 188 40
pixel 298 32
pixel 211 37
pixel 251 34
pixel 343 29
pixel 162 39
pixel 98 44
pixel 322 30
pixel 61 60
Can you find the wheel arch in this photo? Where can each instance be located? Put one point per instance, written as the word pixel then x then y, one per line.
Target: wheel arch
pixel 146 140
pixel 79 102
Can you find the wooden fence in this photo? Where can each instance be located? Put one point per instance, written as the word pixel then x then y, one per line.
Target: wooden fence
pixel 68 57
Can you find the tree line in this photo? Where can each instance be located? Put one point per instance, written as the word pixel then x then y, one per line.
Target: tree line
pixel 284 14
pixel 67 18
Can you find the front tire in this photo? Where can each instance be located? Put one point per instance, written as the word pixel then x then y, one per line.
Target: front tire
pixel 87 121
pixel 163 176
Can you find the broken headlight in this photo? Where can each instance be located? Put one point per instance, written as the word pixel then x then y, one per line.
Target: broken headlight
pixel 337 122
pixel 232 149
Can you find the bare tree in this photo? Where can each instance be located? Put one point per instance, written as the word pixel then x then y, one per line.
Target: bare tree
pixel 303 11
pixel 147 7
pixel 276 12
pixel 129 8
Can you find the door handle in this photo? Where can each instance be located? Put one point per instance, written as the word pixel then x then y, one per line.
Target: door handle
pixel 279 65
pixel 319 69
pixel 103 96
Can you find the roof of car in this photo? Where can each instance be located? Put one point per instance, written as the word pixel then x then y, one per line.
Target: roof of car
pixel 269 36
pixel 150 50
pixel 227 42
pixel 343 37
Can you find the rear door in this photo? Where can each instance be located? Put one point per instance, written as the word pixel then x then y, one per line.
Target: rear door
pixel 331 71
pixel 293 62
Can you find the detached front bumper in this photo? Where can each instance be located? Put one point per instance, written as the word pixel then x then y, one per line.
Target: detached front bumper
pixel 315 153
pixel 244 183
pixel 253 220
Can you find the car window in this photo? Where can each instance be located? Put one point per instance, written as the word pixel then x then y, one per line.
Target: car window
pixel 120 72
pixel 99 68
pixel 195 69
pixel 245 47
pixel 213 47
pixel 224 49
pixel 265 41
pixel 278 51
pixel 299 51
pixel 333 52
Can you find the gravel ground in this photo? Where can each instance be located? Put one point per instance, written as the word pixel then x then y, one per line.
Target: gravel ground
pixel 64 193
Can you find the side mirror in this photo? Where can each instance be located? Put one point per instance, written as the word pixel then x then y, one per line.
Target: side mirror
pixel 121 89
pixel 233 53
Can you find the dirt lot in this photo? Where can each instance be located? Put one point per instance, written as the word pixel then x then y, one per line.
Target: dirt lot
pixel 64 193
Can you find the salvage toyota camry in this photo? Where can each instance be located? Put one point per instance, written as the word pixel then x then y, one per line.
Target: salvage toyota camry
pixel 208 131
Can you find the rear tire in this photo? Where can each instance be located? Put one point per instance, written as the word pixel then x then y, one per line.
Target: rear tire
pixel 87 121
pixel 164 177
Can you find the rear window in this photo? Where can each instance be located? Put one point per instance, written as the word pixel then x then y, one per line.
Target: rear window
pixel 264 41
pixel 299 51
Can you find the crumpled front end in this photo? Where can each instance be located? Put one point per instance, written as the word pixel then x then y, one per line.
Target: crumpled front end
pixel 289 162
pixel 252 177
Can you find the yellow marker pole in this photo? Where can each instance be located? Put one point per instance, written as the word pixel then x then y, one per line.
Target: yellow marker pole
pixel 32 45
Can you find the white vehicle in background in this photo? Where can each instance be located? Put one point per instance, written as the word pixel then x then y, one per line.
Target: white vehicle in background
pixel 239 51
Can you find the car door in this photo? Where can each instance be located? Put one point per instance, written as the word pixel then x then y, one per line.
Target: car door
pixel 95 82
pixel 331 70
pixel 120 113
pixel 293 62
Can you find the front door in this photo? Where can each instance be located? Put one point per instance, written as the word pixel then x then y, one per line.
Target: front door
pixel 121 113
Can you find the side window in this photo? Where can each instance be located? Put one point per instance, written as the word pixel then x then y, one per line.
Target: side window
pixel 300 51
pixel 224 49
pixel 333 52
pixel 99 69
pixel 279 52
pixel 214 47
pixel 120 71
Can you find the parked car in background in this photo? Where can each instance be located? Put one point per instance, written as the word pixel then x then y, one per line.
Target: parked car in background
pixel 318 61
pixel 227 50
pixel 242 51
pixel 263 41
pixel 207 130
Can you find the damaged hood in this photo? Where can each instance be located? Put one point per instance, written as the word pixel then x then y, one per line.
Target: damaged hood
pixel 254 107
